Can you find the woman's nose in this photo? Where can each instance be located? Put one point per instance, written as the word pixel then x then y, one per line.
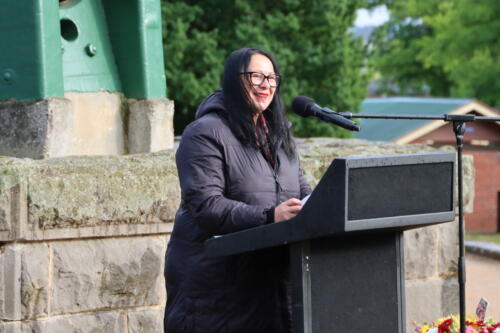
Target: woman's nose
pixel 265 83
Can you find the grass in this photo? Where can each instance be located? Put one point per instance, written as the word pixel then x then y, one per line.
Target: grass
pixel 489 238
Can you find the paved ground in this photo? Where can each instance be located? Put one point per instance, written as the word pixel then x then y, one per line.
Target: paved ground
pixel 483 280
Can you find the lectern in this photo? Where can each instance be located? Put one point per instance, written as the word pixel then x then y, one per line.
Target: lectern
pixel 346 244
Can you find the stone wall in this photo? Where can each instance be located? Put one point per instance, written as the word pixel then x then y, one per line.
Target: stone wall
pixel 82 240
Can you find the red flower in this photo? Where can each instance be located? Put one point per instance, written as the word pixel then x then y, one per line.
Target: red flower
pixel 444 327
pixel 493 327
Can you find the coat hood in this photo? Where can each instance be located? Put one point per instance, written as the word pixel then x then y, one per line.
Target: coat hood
pixel 212 103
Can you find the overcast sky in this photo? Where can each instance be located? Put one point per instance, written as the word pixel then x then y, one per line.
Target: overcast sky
pixel 376 16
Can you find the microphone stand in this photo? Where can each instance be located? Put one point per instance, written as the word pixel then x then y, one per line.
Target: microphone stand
pixel 458 121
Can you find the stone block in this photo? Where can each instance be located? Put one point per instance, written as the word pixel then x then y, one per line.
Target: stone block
pixel 10 327
pixel 38 129
pixel 24 281
pixel 427 300
pixel 150 125
pixel 448 249
pixel 6 201
pixel 98 127
pixel 13 207
pixel 146 321
pixel 469 183
pixel 105 322
pixel 421 252
pixel 130 195
pixel 77 197
pixel 450 296
pixel 107 273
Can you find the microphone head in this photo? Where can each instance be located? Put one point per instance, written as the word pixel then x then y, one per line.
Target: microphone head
pixel 301 105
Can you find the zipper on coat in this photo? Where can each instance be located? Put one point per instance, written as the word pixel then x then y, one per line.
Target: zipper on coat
pixel 274 170
pixel 278 187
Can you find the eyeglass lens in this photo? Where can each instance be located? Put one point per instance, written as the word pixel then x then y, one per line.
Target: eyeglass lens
pixel 258 78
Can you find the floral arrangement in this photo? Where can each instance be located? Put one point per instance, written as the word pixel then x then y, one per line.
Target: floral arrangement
pixel 452 325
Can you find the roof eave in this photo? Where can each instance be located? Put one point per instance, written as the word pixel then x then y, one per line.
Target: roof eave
pixel 475 105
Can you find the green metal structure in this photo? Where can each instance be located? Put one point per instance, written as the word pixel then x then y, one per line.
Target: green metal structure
pixel 50 46
pixel 30 50
pixel 135 31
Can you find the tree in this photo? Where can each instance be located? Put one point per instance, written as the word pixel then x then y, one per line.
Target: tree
pixel 395 58
pixel 450 46
pixel 466 45
pixel 193 60
pixel 317 54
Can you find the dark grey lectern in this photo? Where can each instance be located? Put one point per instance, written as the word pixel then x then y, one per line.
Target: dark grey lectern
pixel 346 245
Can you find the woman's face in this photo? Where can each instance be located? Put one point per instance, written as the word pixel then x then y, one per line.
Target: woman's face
pixel 261 94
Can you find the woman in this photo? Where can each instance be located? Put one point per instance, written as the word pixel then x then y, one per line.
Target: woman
pixel 238 169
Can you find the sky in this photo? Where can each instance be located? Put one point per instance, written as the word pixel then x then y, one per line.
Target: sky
pixel 373 17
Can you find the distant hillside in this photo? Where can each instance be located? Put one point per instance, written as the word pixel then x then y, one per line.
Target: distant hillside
pixel 364 32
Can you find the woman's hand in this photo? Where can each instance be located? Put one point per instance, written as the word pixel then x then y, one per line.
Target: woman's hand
pixel 286 210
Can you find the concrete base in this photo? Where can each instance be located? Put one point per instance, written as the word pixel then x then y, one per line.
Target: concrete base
pixel 97 123
pixel 150 125
pixel 98 127
pixel 37 129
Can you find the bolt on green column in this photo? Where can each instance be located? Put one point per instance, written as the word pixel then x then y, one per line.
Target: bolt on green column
pixel 88 59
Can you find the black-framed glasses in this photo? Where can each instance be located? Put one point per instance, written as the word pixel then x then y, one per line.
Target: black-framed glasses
pixel 257 78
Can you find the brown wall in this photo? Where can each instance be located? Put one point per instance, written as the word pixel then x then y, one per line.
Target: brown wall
pixel 474 131
pixel 485 216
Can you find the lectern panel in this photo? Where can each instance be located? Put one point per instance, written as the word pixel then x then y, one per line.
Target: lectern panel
pixel 358 284
pixel 402 190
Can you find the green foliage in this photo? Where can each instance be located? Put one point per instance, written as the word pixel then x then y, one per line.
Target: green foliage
pixel 451 46
pixel 466 45
pixel 318 57
pixel 395 57
pixel 483 237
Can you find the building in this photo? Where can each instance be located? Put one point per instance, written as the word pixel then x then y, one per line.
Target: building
pixel 482 140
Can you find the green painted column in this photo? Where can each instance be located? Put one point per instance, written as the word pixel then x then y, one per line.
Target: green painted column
pixel 135 32
pixel 30 50
pixel 88 59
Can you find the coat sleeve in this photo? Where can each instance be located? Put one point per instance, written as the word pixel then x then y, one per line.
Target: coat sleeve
pixel 201 164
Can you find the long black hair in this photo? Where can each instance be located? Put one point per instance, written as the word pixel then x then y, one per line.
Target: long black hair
pixel 240 109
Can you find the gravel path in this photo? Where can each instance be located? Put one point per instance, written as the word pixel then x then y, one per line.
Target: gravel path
pixel 482 280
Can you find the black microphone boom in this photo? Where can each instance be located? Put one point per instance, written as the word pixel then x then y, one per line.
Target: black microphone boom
pixel 305 107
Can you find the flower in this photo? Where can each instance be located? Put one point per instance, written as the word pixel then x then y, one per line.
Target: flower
pixel 451 324
pixel 424 328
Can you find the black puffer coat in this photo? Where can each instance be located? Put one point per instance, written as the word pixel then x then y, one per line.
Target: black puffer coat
pixel 226 187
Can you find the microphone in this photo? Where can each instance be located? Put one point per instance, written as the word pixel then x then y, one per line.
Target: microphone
pixel 305 107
